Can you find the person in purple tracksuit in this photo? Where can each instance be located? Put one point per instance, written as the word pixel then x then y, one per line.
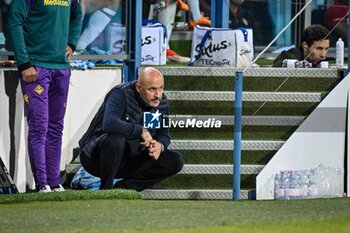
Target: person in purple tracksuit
pixel 44 34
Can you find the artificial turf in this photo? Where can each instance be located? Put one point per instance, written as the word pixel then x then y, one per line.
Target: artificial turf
pixel 123 211
pixel 319 215
pixel 69 196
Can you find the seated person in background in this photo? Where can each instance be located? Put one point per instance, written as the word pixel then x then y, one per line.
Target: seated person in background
pixel 313 47
pixel 117 144
pixel 240 17
pixel 333 15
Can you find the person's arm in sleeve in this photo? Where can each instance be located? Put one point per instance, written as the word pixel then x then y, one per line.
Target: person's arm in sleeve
pixel 75 24
pixel 160 143
pixel 278 61
pixel 285 55
pixel 113 121
pixel 18 13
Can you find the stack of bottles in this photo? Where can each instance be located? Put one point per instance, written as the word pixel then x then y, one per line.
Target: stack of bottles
pixel 318 182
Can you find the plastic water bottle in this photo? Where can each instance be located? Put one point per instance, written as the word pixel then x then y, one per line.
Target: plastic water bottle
pixel 286 182
pixel 294 186
pixel 305 182
pixel 302 184
pixel 279 186
pixel 312 191
pixel 339 53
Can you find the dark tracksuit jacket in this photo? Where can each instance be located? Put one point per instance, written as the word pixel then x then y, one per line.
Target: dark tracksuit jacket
pixel 38 35
pixel 293 53
pixel 122 113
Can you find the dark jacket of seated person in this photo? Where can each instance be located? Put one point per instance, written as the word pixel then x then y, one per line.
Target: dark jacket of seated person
pixel 117 145
pixel 313 47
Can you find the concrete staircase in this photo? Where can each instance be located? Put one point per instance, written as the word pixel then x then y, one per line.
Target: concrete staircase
pixel 270 117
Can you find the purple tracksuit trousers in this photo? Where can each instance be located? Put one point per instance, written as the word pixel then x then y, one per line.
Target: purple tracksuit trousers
pixel 45 105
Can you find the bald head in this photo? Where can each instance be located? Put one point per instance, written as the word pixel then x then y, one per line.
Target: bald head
pixel 150 86
pixel 149 74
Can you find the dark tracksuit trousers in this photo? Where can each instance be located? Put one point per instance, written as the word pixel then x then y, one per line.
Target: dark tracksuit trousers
pixel 112 160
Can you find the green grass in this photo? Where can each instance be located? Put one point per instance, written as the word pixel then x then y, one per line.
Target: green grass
pixel 69 196
pixel 114 211
pixel 129 216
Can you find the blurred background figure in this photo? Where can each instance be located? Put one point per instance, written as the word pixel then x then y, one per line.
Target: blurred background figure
pixel 196 17
pixel 243 17
pixel 97 15
pixel 167 15
pixel 249 14
pixel 313 47
pixel 4 11
pixel 335 14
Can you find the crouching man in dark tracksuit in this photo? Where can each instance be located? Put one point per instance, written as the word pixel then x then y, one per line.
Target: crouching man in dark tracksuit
pixel 117 145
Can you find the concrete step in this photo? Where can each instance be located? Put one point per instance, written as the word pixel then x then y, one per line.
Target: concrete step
pixel 247 96
pixel 196 194
pixel 247 120
pixel 221 169
pixel 183 71
pixel 224 145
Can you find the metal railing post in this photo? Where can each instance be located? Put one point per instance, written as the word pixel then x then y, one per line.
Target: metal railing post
pixel 237 136
pixel 219 15
pixel 134 27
